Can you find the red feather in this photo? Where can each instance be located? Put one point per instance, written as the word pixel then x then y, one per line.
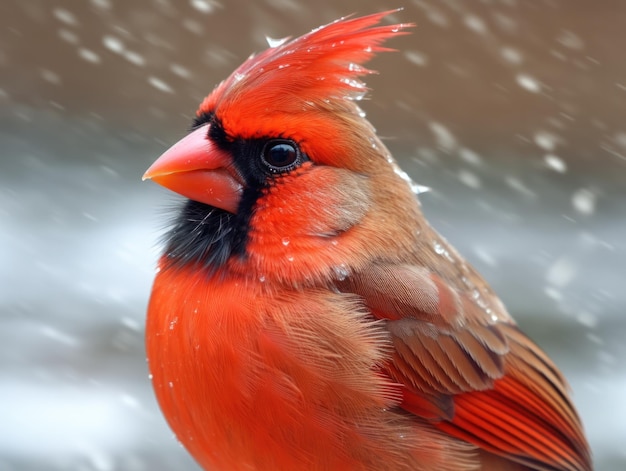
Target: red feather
pixel 306 316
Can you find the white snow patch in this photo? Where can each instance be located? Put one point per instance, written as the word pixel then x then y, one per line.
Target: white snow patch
pixel 587 319
pixel 511 55
pixel 528 83
pixel 113 44
pixel 561 273
pixel 102 4
pixel 476 24
pixel 181 71
pixel 435 16
pixel 470 156
pixel 276 42
pixel 131 324
pixel 584 201
pixel 554 162
pixel 160 84
pixel 485 256
pixel 61 420
pixel 553 293
pixel 65 16
pixel 130 401
pixel 68 36
pixel 193 26
pixel 469 178
pixel 58 336
pixel 89 55
pixel 571 40
pixel 519 186
pixel 134 58
pixel 416 57
pixel 50 77
pixel 620 139
pixel 445 139
pixel 546 140
pixel 204 6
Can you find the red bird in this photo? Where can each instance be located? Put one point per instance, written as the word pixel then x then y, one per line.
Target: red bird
pixel 305 316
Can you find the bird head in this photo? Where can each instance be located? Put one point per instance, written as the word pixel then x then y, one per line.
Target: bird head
pixel 281 166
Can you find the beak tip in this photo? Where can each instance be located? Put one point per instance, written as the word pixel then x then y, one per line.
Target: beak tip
pixel 150 173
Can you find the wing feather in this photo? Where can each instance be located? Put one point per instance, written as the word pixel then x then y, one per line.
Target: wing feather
pixel 467 368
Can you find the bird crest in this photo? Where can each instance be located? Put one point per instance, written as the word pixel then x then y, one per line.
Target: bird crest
pixel 319 70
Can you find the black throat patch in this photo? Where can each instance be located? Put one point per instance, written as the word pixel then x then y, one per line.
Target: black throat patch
pixel 206 236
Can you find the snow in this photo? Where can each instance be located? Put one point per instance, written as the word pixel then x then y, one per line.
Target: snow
pixel 89 55
pixel 476 24
pixel 113 44
pixel 584 201
pixel 546 140
pixel 68 36
pixel 276 42
pixel 60 419
pixel 484 255
pixel 561 273
pixel 443 137
pixel 416 57
pixel 204 6
pixel 571 40
pixel 102 4
pixel 556 163
pixel 470 156
pixel 513 116
pixel 528 83
pixel 50 77
pixel 181 71
pixel 512 55
pixel 469 178
pixel 160 85
pixel 518 185
pixel 65 16
pixel 134 58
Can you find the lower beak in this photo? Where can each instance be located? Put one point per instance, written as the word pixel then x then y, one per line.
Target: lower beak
pixel 199 170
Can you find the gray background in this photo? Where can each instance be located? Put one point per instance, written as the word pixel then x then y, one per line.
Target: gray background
pixel 511 111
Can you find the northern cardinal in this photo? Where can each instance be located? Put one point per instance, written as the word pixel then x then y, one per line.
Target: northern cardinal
pixel 305 316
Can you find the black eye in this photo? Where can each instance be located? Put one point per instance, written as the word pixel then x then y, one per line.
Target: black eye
pixel 281 155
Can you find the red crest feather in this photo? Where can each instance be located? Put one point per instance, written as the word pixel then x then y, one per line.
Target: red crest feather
pixel 308 72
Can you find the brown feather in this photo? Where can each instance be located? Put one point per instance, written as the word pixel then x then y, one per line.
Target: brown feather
pixel 344 333
pixel 461 346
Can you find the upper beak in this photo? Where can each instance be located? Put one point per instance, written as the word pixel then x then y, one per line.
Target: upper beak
pixel 196 168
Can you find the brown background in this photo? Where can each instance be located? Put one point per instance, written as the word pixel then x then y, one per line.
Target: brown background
pixel 511 111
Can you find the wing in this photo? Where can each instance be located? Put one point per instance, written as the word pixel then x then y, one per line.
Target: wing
pixel 469 370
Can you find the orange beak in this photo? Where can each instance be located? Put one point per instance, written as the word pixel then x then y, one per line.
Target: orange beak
pixel 199 170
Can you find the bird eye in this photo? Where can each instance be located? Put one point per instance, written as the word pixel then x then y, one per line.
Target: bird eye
pixel 281 155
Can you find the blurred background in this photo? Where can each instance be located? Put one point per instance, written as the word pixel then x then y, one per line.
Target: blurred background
pixel 512 112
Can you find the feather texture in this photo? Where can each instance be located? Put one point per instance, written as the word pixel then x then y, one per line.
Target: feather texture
pixel 316 321
pixel 501 392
